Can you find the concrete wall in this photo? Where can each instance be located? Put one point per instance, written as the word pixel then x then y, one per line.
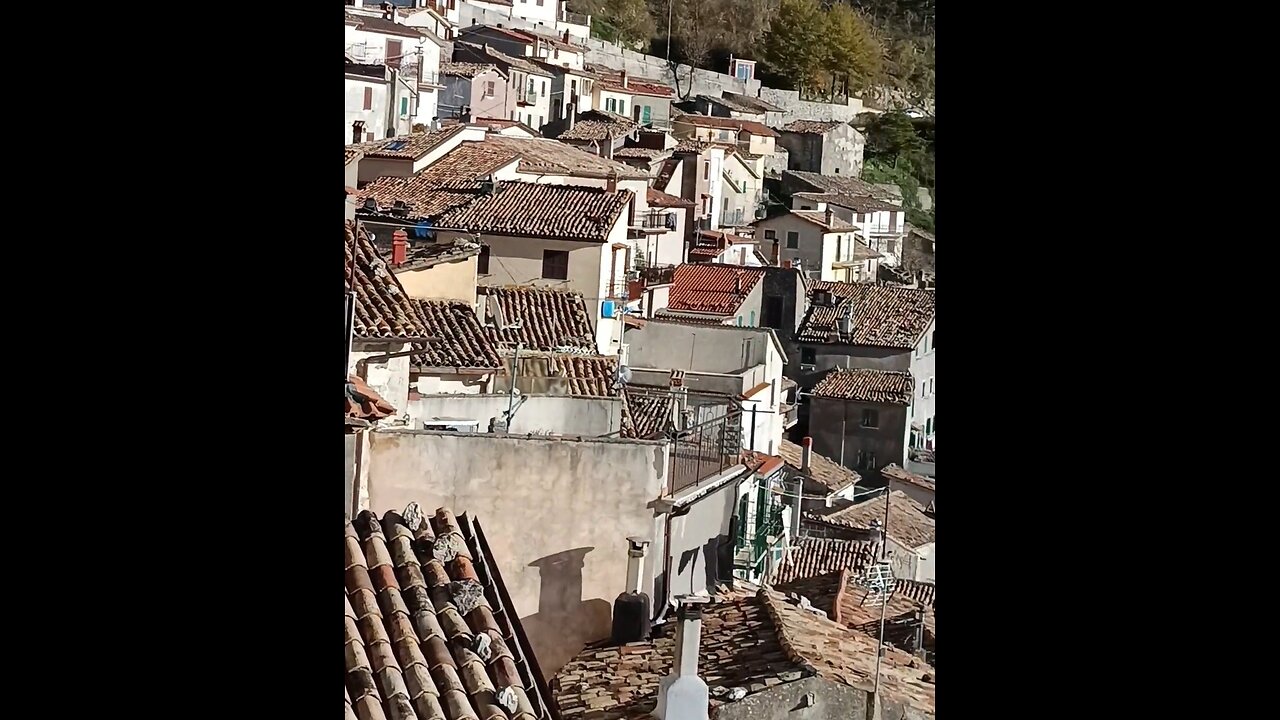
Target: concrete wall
pixel 446 281
pixel 697 554
pixel 924 565
pixel 710 348
pixel 564 415
pixel 375 118
pixel 704 82
pixel 831 701
pixel 389 378
pixel 556 512
pixel 816 248
pixel 839 152
pixel 829 418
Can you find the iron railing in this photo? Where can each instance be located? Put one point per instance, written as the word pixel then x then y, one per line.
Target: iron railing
pixel 658 220
pixel 618 290
pixel 658 274
pixel 705 450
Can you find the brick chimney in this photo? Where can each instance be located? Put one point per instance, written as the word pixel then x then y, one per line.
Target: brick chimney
pixel 612 183
pixel 683 695
pixel 806 454
pixel 399 247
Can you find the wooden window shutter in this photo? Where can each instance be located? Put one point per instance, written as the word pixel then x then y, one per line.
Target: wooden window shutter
pixel 368 98
pixel 393 54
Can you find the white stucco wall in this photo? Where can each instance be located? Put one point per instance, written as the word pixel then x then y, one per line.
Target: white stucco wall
pixel 922 369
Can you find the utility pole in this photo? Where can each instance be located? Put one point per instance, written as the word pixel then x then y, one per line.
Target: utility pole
pixel 884 558
pixel 670 5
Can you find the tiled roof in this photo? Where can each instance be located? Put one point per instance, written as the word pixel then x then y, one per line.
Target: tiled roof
pixel 866 385
pixel 689 145
pixel 424 255
pixel 657 198
pixel 575 374
pixel 821 468
pixel 711 289
pixel 550 320
pixel 708 244
pixel 746 103
pixel 364 404
pixel 814 127
pixel 899 474
pixel 547 156
pixel 881 316
pixel 844 598
pixel 838 184
pixel 462 342
pixel 666 172
pixel 594 125
pixel 611 80
pixel 647 412
pixel 752 641
pixel 810 556
pixel 909 524
pixel 409 147
pixel 469 52
pixel 860 204
pixel 383 308
pixel 352 154
pixel 642 153
pixel 426 625
pixel 563 212
pixel 378 24
pixel 749 126
pixel 921 592
pixel 819 218
pixel 469 69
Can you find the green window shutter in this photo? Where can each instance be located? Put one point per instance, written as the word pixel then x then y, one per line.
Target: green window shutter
pixel 645 116
pixel 404 106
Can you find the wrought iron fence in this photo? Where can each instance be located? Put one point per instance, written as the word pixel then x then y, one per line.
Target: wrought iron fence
pixel 705 450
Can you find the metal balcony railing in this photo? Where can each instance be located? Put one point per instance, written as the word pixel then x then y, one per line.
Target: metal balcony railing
pixel 703 451
pixel 658 275
pixel 659 220
pixel 618 290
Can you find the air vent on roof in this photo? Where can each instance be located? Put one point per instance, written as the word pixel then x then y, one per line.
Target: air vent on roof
pixel 822 298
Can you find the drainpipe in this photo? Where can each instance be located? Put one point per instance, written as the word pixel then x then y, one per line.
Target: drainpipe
pixel 392 90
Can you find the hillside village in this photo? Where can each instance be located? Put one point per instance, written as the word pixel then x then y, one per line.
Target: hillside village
pixel 640 384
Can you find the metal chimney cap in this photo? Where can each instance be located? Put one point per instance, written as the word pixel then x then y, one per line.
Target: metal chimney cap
pixel 638 542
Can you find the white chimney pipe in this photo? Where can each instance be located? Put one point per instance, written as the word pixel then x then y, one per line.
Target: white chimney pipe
pixel 806 454
pixel 635 564
pixel 683 695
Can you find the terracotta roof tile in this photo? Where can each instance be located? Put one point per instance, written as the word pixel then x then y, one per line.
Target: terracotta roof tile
pixel 821 468
pixel 881 316
pixel 352 154
pixel 424 255
pixel 568 373
pixel 550 320
pixel 657 198
pixel 689 145
pixel 642 153
pixel 753 641
pixel 749 126
pixel 412 146
pixel 364 404
pixel 610 79
pixel 897 473
pixel 839 184
pixel 909 524
pixel 865 385
pixel 383 308
pixel 819 218
pixel 845 600
pixel 469 69
pixel 462 342
pixel 647 412
pixel 711 289
pixel 564 212
pixel 593 125
pixel 378 24
pixel 427 635
pixel 814 127
pixel 465 51
pixel 861 204
pixel 746 103
pixel 810 556
pixel 552 155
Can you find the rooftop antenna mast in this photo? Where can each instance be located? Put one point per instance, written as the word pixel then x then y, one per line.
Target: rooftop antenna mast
pixel 879 583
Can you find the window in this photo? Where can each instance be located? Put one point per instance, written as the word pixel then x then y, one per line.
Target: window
pixel 892 246
pixel 808 356
pixel 611 105
pixel 635 112
pixel 928 426
pixel 573 89
pixel 752 322
pixel 933 342
pixel 770 234
pixel 482 264
pixel 773 312
pixel 922 390
pixel 646 115
pixel 489 89
pixel 866 460
pixel 513 114
pixel 555 264
pixel 543 91
pixel 861 217
pixel 893 222
pixel 368 98
pixel 622 107
pixel 393 53
pixel 539 121
pixel 870 419
pixel 930 386
pixel 706 170
pixel 793 239
pixel 738 321
pixel 404 107
pixel 837 171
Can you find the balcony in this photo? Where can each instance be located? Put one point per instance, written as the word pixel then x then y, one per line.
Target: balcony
pixel 790 415
pixel 618 290
pixel 658 275
pixel 702 452
pixel 575 18
pixel 657 222
pixel 430 80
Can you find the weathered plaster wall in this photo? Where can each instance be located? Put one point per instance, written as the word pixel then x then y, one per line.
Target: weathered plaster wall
pixel 573 415
pixel 556 511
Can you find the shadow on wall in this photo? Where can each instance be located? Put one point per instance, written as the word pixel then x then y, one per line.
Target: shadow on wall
pixel 716 560
pixel 565 622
